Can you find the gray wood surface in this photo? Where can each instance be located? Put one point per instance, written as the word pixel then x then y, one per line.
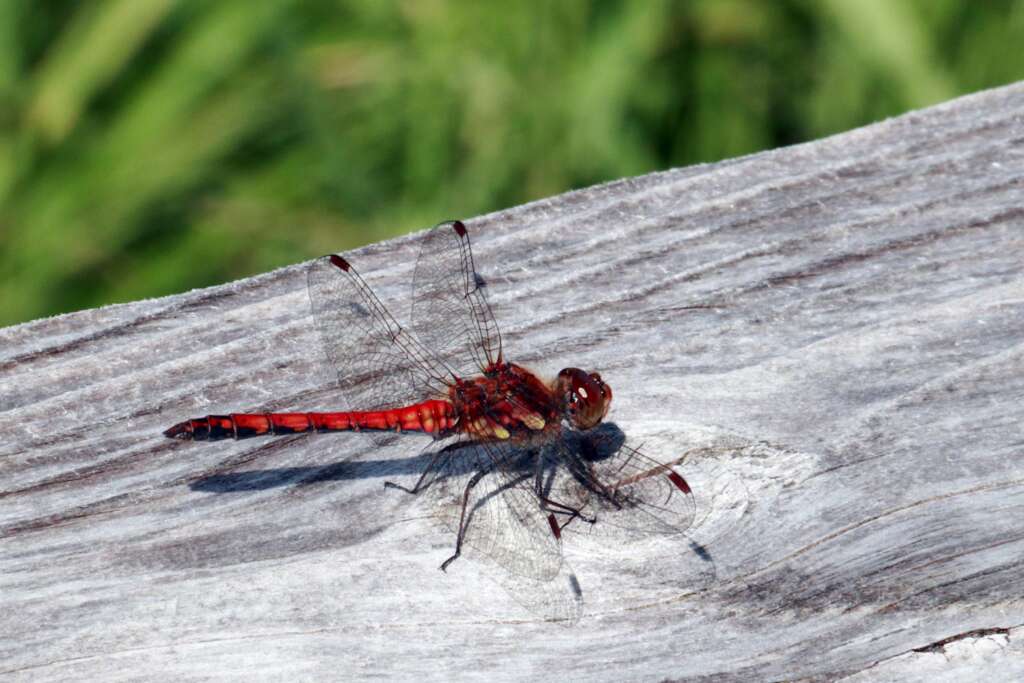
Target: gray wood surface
pixel 848 313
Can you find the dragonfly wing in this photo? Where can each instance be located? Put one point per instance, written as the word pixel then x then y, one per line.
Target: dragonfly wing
pixel 722 497
pixel 629 491
pixel 450 313
pixel 378 363
pixel 558 598
pixel 504 520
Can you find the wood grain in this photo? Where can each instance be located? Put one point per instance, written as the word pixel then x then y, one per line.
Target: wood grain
pixel 851 311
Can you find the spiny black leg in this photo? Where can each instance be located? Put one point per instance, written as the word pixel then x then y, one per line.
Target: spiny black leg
pixel 462 519
pixel 430 468
pixel 419 482
pixel 584 469
pixel 458 551
pixel 549 505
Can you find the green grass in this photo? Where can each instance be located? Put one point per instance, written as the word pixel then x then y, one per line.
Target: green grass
pixel 151 146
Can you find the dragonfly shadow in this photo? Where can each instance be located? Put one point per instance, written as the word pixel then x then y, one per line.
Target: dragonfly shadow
pixel 599 443
pixel 261 480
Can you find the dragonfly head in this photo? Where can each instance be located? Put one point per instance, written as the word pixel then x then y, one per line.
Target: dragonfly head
pixel 585 397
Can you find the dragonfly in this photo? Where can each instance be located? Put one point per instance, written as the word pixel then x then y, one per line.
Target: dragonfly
pixel 519 446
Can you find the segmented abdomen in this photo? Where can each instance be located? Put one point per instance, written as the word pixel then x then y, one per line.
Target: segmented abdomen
pixel 432 416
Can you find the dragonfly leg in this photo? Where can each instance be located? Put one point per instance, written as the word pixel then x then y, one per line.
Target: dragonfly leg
pixel 587 476
pixel 419 482
pixel 553 506
pixel 462 518
pixel 419 486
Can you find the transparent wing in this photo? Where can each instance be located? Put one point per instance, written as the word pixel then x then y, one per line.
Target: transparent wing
pixel 620 487
pixel 505 522
pixel 450 313
pixel 559 598
pixel 722 498
pixel 378 364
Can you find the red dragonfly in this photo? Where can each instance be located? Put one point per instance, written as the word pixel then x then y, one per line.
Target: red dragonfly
pixel 448 378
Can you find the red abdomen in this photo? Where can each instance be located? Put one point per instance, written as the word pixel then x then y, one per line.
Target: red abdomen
pixel 432 417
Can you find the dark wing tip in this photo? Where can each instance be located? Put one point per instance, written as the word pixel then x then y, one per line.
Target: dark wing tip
pixel 459 227
pixel 339 262
pixel 555 529
pixel 182 430
pixel 680 483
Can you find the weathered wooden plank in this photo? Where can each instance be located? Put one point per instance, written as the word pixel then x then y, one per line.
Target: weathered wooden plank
pixel 851 310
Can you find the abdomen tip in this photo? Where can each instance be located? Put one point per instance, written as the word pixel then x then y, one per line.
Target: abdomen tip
pixel 182 430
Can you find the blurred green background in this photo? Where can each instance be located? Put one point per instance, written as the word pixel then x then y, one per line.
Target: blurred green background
pixel 152 146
